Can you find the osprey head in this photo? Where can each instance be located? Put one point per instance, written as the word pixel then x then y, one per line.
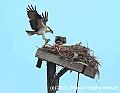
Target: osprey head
pixel 60 40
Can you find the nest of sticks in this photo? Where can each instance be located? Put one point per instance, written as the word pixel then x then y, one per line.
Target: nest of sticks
pixel 75 53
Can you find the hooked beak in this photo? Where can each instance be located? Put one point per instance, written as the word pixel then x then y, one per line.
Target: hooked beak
pixel 51 31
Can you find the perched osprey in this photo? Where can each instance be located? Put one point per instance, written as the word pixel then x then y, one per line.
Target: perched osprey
pixel 60 40
pixel 38 23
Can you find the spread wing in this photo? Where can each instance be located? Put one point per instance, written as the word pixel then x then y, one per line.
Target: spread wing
pixel 31 12
pixel 36 21
pixel 45 17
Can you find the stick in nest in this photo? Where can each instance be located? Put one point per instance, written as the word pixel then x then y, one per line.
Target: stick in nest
pixel 58 49
pixel 74 57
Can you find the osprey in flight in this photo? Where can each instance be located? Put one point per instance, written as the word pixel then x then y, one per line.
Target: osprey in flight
pixel 38 23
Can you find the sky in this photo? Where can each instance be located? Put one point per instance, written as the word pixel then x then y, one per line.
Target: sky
pixel 94 21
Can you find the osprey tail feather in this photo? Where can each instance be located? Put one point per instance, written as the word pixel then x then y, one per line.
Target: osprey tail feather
pixel 31 33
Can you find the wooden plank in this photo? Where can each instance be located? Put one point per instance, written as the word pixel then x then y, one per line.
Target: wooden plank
pixel 57 60
pixel 39 63
pixel 90 71
pixel 78 67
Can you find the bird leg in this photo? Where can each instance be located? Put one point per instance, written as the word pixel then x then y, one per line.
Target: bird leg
pixel 46 41
pixel 43 37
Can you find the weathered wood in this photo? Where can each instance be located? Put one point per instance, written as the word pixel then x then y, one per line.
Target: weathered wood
pixel 76 66
pixel 51 69
pixel 56 83
pixel 90 71
pixel 61 72
pixel 57 60
pixel 39 63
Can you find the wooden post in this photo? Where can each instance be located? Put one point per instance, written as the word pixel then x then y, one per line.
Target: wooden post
pixel 39 63
pixel 51 69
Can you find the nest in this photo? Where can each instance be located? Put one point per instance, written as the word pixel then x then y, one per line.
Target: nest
pixel 75 53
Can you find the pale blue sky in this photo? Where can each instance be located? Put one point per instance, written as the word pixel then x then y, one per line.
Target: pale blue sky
pixel 94 21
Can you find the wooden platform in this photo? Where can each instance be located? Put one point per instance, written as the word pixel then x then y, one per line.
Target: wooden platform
pixel 78 67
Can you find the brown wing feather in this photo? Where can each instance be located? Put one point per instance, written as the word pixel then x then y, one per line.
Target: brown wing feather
pixel 31 12
pixel 34 24
pixel 32 15
pixel 36 21
pixel 45 17
pixel 41 24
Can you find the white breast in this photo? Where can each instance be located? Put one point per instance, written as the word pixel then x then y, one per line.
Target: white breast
pixel 42 30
